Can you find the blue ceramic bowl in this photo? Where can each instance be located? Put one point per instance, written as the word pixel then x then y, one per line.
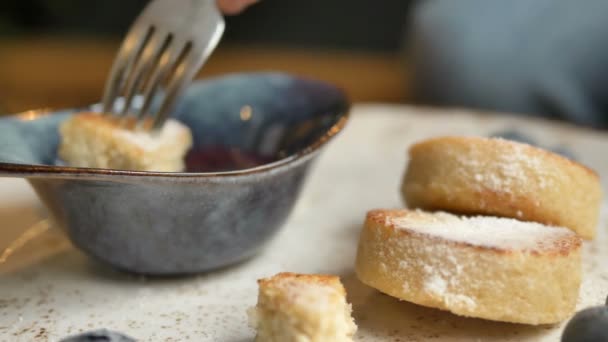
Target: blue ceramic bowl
pixel 255 136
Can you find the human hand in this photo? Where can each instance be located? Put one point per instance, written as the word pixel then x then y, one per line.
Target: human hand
pixel 231 7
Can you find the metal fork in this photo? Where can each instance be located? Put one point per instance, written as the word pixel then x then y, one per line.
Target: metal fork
pixel 165 48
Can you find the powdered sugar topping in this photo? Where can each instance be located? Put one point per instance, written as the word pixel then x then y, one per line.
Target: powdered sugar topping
pixel 485 231
pixel 513 164
pixel 170 130
pixel 443 281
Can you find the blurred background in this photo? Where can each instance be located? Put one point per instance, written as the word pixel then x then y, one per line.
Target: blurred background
pixel 56 53
pixel 542 58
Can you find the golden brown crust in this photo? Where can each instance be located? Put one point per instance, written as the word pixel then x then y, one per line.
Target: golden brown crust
pixel 561 245
pixel 474 175
pixel 507 144
pixel 468 279
pixel 317 279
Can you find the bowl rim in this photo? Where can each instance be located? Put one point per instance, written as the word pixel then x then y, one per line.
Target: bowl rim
pixel 55 171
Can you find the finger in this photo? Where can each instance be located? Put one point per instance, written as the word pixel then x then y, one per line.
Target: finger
pixel 232 7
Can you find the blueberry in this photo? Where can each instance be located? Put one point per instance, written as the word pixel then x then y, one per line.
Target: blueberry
pixel 99 336
pixel 589 325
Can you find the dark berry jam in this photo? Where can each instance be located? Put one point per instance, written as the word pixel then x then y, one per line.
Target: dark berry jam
pixel 215 159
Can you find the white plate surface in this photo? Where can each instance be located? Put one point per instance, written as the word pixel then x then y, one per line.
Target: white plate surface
pixel 49 290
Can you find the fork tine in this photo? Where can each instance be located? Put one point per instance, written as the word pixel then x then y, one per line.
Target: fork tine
pixel 150 57
pixel 184 73
pixel 166 67
pixel 129 52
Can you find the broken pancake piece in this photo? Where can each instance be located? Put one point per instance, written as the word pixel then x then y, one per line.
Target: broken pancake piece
pixel 493 268
pixel 100 141
pixel 302 308
pixel 496 177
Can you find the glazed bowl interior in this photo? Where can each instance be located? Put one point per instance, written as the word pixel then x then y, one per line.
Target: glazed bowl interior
pixel 238 122
pixel 254 137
